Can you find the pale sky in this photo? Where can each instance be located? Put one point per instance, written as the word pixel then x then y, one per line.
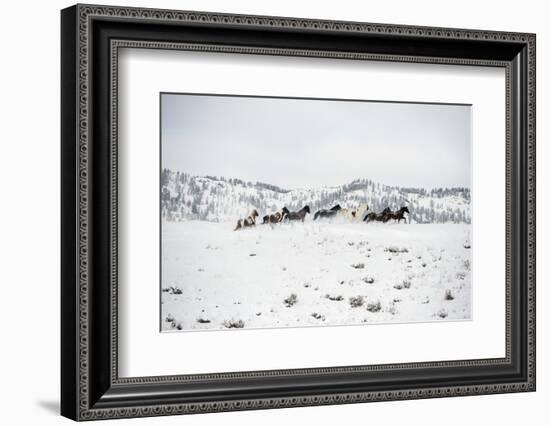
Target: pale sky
pixel 300 143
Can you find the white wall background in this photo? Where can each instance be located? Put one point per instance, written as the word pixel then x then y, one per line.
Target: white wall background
pixel 29 213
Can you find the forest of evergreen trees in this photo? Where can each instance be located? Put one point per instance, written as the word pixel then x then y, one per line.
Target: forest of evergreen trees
pixel 217 199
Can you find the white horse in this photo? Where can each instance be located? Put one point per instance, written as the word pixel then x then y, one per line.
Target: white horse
pixel 358 213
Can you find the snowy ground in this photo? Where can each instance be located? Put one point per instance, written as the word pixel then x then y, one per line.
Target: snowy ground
pixel 339 273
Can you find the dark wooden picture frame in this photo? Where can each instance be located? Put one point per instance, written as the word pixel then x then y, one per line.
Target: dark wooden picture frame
pixel 90 385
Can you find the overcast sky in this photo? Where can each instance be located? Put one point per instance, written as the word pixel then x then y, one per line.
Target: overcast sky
pixel 297 143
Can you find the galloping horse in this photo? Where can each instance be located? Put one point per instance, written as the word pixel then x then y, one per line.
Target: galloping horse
pixel 249 221
pixel 274 218
pixel 299 215
pixel 400 214
pixel 327 213
pixel 378 217
pixel 358 213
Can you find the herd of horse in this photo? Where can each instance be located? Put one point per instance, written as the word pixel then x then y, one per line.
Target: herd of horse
pixel 285 215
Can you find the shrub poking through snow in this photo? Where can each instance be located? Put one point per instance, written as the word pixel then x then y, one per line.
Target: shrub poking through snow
pixel 449 295
pixel 401 286
pixel 334 298
pixel 170 318
pixel 233 323
pixel 358 265
pixel 461 275
pixel 179 326
pixel 203 320
pixel 356 301
pixel 318 316
pixel 291 300
pixel 392 309
pixel 394 249
pixel 374 306
pixel 442 313
pixel 467 264
pixel 368 280
pixel 175 290
pixel 467 245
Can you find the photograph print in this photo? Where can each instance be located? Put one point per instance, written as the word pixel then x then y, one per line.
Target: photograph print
pixel 298 212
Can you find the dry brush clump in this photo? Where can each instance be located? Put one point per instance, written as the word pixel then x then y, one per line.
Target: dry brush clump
pixel 397 250
pixel 172 290
pixel 233 323
pixel 356 301
pixel 291 300
pixel 334 298
pixel 442 313
pixel 392 309
pixel 401 286
pixel 374 306
pixel 449 295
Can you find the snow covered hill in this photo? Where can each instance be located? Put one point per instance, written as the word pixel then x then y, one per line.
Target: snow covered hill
pixel 312 274
pixel 220 199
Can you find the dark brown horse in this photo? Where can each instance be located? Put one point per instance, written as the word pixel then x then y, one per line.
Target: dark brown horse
pixel 299 215
pixel 247 222
pixel 320 214
pixel 399 215
pixel 378 217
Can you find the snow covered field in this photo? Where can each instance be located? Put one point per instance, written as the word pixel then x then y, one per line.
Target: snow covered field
pixel 313 273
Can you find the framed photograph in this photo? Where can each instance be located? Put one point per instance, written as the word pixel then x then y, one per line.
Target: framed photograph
pixel 263 212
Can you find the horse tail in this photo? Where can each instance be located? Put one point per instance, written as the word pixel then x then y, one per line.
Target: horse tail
pixel 239 225
pixel 316 215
